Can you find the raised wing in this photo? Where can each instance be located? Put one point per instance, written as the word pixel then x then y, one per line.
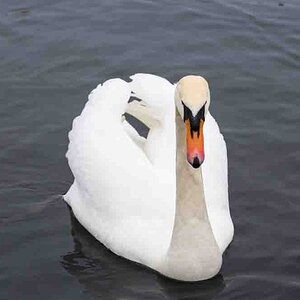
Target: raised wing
pixel 116 188
pixel 215 181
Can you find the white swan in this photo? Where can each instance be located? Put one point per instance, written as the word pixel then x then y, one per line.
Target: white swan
pixel 147 199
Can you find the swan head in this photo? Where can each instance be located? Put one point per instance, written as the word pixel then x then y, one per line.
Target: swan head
pixel 192 99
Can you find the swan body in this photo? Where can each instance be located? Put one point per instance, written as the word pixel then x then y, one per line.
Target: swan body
pixel 139 196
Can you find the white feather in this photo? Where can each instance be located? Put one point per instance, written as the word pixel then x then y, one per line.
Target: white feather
pixel 124 187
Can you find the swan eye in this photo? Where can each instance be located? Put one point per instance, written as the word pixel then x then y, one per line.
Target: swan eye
pixel 194 136
pixel 194 120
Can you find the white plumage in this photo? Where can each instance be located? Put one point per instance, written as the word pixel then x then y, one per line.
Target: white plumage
pixel 124 190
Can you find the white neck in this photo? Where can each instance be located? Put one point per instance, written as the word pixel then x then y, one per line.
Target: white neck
pixel 193 253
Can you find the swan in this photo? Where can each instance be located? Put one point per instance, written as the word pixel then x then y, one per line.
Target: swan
pixel 161 201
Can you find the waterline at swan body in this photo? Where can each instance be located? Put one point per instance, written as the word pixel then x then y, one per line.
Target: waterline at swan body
pixel 160 201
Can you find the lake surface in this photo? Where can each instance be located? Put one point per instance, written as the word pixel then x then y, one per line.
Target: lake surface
pixel 53 53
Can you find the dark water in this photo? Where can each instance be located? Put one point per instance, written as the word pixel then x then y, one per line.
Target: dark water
pixel 52 53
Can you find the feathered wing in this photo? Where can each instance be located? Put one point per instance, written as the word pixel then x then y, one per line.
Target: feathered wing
pixel 134 135
pixel 154 90
pixel 158 94
pixel 117 194
pixel 215 181
pixel 156 105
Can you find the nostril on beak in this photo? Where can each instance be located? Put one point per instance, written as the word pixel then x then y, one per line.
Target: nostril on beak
pixel 196 162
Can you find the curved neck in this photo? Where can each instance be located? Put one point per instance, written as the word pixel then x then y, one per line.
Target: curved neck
pixel 193 253
pixel 190 202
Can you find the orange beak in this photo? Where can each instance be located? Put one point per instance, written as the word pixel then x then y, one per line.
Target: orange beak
pixel 194 144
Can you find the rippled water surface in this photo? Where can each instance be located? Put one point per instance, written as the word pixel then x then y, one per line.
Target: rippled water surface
pixel 52 53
